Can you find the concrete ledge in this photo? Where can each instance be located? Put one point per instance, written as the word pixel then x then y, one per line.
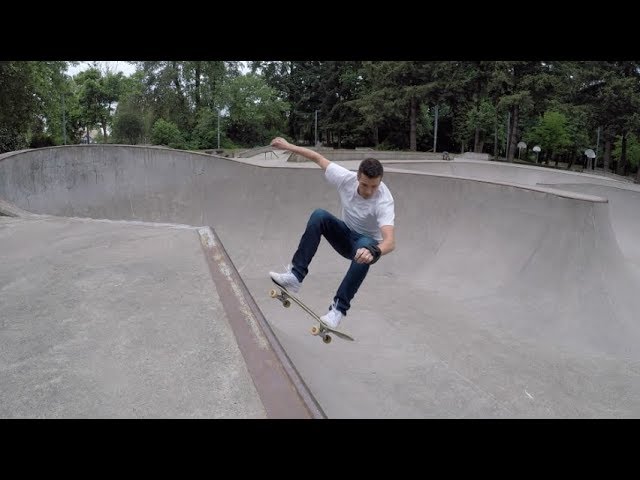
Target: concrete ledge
pixel 282 391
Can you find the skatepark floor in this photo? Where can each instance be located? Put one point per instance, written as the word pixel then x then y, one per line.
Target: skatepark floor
pixel 137 286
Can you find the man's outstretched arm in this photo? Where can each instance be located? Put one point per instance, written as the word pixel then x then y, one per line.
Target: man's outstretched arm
pixel 281 143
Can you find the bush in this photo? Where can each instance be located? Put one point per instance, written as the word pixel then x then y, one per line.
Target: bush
pixel 167 133
pixel 128 127
pixel 40 140
pixel 384 146
pixel 11 140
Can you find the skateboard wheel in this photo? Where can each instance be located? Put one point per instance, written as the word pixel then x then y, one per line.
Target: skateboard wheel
pixel 273 294
pixel 315 330
pixel 286 303
pixel 326 339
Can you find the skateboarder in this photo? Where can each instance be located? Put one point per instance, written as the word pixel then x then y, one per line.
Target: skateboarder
pixel 363 235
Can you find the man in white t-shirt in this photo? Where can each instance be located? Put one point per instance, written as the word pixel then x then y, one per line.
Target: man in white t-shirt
pixel 363 235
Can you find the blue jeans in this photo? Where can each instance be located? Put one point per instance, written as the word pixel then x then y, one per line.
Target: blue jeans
pixel 344 241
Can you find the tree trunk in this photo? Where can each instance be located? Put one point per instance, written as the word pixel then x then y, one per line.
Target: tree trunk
pixel 476 142
pixel 413 108
pixel 197 89
pixel 513 137
pixel 376 138
pixel 622 163
pixel 607 154
pixel 435 129
pixel 495 141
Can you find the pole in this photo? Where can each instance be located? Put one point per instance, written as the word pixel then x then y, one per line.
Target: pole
pixel 218 129
pixel 316 144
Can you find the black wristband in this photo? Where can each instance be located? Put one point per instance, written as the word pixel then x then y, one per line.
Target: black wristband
pixel 375 251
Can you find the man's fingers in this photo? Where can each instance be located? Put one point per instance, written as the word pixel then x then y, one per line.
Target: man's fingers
pixel 362 256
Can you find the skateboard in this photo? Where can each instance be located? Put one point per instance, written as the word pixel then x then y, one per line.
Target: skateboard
pixel 321 329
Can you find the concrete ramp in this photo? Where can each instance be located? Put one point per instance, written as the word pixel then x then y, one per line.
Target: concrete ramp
pixel 624 201
pixel 117 319
pixel 508 172
pixel 8 209
pixel 501 300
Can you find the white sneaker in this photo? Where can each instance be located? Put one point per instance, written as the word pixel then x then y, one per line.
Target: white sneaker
pixel 333 317
pixel 287 279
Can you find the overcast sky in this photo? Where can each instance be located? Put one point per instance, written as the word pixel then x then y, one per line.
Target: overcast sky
pixel 125 67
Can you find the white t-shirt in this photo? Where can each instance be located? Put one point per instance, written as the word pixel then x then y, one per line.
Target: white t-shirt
pixel 365 216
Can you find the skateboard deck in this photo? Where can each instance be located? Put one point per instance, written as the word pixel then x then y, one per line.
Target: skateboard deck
pixel 322 328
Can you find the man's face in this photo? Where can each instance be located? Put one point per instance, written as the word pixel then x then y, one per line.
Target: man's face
pixel 367 186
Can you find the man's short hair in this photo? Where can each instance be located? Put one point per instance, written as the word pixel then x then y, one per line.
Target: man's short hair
pixel 371 167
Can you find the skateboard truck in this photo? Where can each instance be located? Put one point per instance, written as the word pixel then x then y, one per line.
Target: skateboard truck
pixel 285 301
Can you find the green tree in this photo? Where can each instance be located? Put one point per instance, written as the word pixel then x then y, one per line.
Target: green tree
pixel 134 102
pixel 205 133
pixel 255 113
pixel 51 88
pixel 128 127
pixel 633 149
pixel 551 134
pixel 167 133
pixel 179 91
pixel 17 104
pixel 479 123
pixel 611 90
pixel 399 89
pixel 91 98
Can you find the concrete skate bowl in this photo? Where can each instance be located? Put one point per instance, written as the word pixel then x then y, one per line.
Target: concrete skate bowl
pixel 623 196
pixel 505 172
pixel 500 301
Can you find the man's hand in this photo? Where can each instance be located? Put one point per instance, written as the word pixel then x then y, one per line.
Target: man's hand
pixel 363 256
pixel 366 255
pixel 280 142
